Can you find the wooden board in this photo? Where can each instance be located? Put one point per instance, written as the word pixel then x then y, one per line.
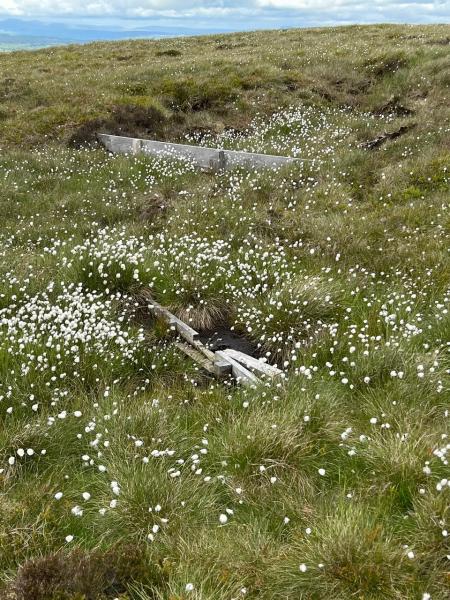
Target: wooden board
pixel 253 364
pixel 197 357
pixel 207 158
pixel 184 330
pixel 222 362
pixel 241 374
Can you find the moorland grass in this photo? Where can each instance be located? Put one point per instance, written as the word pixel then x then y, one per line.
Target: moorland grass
pixel 125 471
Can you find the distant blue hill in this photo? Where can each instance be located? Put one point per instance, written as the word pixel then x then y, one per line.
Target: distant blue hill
pixel 25 33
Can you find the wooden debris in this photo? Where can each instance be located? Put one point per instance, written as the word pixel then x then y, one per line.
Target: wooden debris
pixel 203 349
pixel 184 330
pixel 196 356
pixel 221 363
pixel 253 364
pixel 238 370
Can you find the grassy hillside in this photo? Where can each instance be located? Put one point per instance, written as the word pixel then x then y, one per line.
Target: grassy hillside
pixel 125 472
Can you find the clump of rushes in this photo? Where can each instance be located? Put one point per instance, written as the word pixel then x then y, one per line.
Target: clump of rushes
pixel 292 315
pixel 348 552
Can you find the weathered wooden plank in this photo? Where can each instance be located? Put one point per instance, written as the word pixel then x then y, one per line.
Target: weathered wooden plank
pixel 253 364
pixel 222 368
pixel 206 158
pixel 203 349
pixel 197 356
pixel 220 363
pixel 184 330
pixel 234 158
pixel 242 374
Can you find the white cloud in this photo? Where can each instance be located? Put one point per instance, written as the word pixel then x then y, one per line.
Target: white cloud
pixel 331 10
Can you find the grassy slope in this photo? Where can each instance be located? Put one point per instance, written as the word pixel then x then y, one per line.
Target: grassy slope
pixel 351 256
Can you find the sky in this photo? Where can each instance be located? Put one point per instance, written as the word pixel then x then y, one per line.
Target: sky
pixel 229 13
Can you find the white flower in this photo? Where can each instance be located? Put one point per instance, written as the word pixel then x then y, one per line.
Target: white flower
pixel 321 472
pixel 189 587
pixel 223 518
pixel 69 538
pixel 303 568
pixel 86 495
pixel 58 495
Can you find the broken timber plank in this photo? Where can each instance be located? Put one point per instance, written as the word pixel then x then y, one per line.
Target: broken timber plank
pixel 206 364
pixel 241 374
pixel 219 368
pixel 184 330
pixel 207 158
pixel 222 368
pixel 203 349
pixel 253 364
pixel 220 363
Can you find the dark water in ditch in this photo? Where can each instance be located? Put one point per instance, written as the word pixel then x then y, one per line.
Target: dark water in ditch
pixel 221 339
